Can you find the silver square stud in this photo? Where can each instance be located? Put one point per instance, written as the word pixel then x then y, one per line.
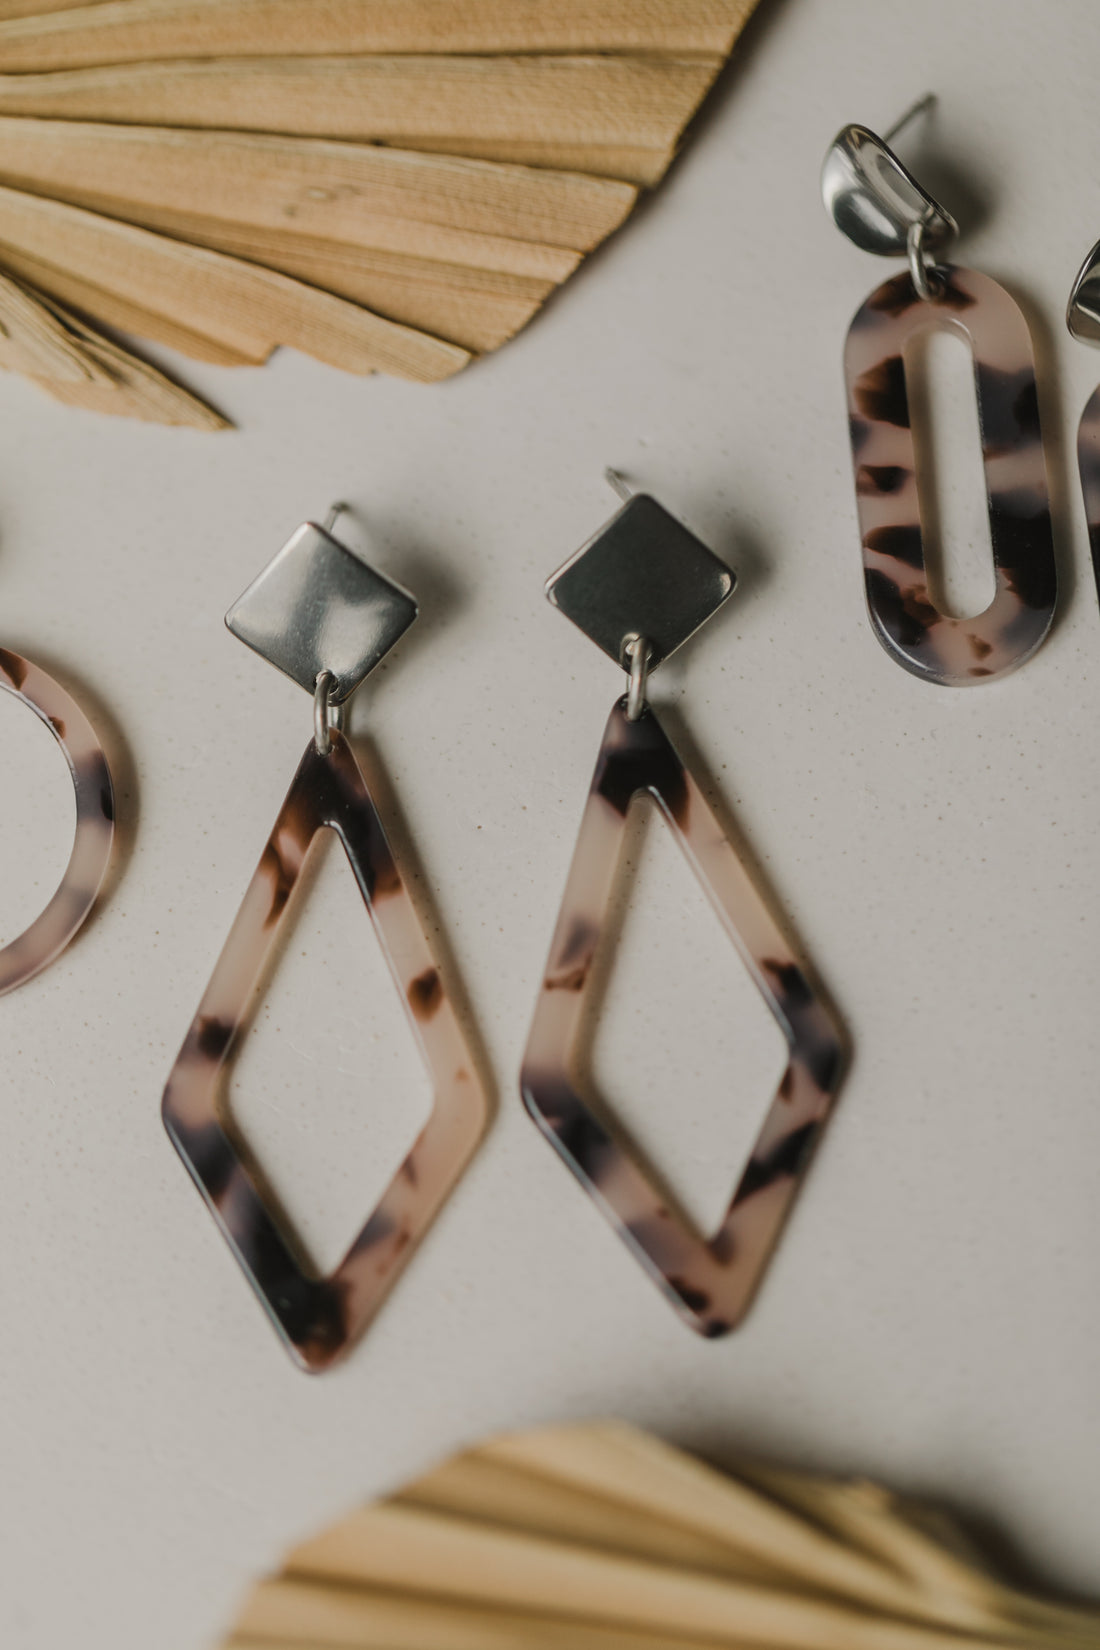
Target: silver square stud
pixel 317 606
pixel 642 574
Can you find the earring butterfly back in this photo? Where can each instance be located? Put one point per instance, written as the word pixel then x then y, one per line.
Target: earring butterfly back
pixel 322 615
pixel 639 589
pixel 879 205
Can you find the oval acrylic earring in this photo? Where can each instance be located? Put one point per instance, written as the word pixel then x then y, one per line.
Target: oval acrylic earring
pixel 878 203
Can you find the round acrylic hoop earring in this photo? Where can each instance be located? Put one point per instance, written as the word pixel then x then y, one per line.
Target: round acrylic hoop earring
pixel 53 928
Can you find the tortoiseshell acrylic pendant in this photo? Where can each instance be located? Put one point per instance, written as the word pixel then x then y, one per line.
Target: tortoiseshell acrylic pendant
pixel 879 204
pixel 645 576
pixel 346 618
pixel 24 957
pixel 1083 322
pixel 955 652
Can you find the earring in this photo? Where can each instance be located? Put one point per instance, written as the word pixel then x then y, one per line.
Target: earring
pixel 639 589
pixel 52 930
pixel 324 617
pixel 879 205
pixel 1083 321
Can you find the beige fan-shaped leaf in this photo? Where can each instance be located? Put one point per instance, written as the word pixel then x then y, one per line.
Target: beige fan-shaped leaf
pixel 600 1536
pixel 388 185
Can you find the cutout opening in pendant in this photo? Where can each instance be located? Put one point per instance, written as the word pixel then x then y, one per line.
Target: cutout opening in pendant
pixel 950 471
pixel 671 998
pixel 328 1087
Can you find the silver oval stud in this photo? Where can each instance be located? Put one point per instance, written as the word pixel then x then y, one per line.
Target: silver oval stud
pixel 1083 310
pixel 875 200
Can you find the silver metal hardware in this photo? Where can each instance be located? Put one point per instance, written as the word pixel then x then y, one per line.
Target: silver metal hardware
pixel 922 269
pixel 642 574
pixel 326 714
pixel 317 607
pixel 636 655
pixel 875 200
pixel 1083 310
pixel 918 108
pixel 618 484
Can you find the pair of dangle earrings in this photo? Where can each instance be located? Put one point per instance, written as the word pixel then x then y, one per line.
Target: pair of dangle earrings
pixel 640 587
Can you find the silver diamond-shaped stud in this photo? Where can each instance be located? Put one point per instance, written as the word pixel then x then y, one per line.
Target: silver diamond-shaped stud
pixel 642 574
pixel 317 606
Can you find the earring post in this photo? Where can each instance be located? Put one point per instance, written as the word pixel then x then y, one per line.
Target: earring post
pixel 914 109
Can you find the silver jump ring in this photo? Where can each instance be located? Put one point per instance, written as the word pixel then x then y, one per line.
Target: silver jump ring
pixel 326 715
pixel 636 649
pixel 926 277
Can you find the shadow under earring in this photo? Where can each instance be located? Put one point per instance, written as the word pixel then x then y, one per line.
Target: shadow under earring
pixel 639 589
pixel 324 617
pixel 52 930
pixel 880 206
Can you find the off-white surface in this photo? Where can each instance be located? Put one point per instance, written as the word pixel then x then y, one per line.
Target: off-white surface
pixel 931 1316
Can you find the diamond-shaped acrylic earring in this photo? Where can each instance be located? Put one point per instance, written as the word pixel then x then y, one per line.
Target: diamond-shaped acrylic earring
pixel 323 616
pixel 638 589
pixel 878 203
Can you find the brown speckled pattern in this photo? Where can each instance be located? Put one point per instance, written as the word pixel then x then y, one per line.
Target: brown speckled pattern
pixel 51 932
pixel 955 652
pixel 1088 462
pixel 709 1283
pixel 319 1318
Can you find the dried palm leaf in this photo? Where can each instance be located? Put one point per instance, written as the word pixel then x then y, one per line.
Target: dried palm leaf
pixel 601 1536
pixel 388 185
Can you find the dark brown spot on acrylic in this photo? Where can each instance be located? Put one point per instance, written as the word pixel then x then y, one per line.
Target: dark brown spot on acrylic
pixel 881 478
pixel 1023 548
pixel 980 648
pixel 786 1160
pixel 569 969
pixel 786 1085
pixel 696 1300
pixel 880 393
pixel 791 984
pixel 282 880
pixel 641 759
pixel 58 726
pixel 107 802
pixel 906 616
pixel 212 1036
pixel 893 297
pixel 900 543
pixel 14 668
pixel 425 993
pixel 1009 407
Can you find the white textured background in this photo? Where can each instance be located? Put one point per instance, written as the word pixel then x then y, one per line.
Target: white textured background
pixel 931 1316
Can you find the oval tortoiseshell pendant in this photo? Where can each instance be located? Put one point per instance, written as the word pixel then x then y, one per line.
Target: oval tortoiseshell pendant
pixel 51 932
pixel 1088 464
pixel 711 1281
pixel 955 652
